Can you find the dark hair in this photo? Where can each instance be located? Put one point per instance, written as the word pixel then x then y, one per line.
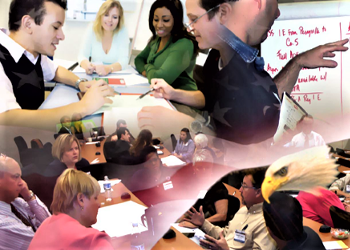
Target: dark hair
pixel 284 216
pixel 34 8
pixel 179 31
pixel 188 135
pixel 146 151
pixel 209 4
pixel 258 175
pixel 144 139
pixel 120 121
pixel 121 131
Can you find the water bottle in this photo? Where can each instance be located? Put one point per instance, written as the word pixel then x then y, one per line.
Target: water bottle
pixel 107 187
pixel 106 184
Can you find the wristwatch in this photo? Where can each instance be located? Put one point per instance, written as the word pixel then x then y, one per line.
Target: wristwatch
pixel 79 81
pixel 197 126
pixel 31 195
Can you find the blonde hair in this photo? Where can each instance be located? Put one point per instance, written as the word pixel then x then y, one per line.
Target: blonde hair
pixel 70 183
pixel 62 144
pixel 105 8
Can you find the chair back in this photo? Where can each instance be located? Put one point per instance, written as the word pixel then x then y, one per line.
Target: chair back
pixel 340 218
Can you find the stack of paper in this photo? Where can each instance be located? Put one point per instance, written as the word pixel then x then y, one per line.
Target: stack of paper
pixel 121 219
pixel 172 161
pixel 334 244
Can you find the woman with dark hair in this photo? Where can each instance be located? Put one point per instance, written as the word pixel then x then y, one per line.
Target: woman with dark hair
pixel 143 140
pixel 171 52
pixel 185 146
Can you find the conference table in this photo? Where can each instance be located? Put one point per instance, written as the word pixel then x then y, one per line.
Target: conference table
pixel 314 225
pixel 89 150
pixel 178 243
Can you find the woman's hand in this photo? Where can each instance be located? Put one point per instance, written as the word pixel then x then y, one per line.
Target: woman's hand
pixel 102 70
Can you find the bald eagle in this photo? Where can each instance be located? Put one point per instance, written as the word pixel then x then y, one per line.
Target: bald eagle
pixel 303 171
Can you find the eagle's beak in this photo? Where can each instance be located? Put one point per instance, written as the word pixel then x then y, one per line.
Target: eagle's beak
pixel 269 186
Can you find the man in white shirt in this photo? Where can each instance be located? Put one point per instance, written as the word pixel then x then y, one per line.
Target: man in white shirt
pixel 35 30
pixel 19 218
pixel 307 138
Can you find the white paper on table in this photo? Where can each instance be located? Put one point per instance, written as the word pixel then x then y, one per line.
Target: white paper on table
pixel 182 229
pixel 198 234
pixel 113 182
pixel 290 114
pixel 95 161
pixel 172 161
pixel 346 172
pixel 120 219
pixel 332 245
pixel 131 101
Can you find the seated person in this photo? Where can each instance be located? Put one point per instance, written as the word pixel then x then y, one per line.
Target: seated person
pixel 66 125
pixel 342 186
pixel 24 66
pixel 120 124
pixel 66 151
pixel 171 52
pixel 306 138
pixel 75 206
pixel 316 206
pixel 202 153
pixel 143 140
pixel 77 126
pixel 284 221
pixel 107 42
pixel 215 206
pixel 249 219
pixel 118 151
pixel 19 217
pixel 185 147
pixel 152 173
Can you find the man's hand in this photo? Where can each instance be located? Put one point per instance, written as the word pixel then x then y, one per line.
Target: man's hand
pixel 162 89
pixel 187 224
pixel 195 217
pixel 102 70
pixel 114 138
pixel 314 58
pixel 212 243
pixel 95 97
pixel 25 191
pixel 162 121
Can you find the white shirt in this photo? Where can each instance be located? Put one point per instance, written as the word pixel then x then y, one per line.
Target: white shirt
pixel 315 140
pixel 7 97
pixel 14 234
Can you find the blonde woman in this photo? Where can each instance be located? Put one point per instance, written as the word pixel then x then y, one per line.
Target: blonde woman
pixel 106 45
pixel 75 205
pixel 66 151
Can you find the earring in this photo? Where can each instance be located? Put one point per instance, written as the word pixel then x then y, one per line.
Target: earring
pixel 82 207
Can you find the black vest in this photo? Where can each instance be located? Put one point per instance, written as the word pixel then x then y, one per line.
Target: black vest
pixel 241 100
pixel 27 79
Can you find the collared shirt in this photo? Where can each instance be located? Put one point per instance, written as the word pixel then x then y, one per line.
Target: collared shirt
pixel 7 97
pixel 341 183
pixel 13 233
pixel 256 235
pixel 313 138
pixel 248 54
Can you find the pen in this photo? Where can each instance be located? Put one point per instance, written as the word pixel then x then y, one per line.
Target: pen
pixel 245 227
pixel 71 68
pixel 142 96
pixel 89 58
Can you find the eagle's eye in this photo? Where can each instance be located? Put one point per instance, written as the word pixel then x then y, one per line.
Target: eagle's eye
pixel 283 171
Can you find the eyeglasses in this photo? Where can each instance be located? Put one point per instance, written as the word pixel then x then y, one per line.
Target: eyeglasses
pixel 244 186
pixel 189 26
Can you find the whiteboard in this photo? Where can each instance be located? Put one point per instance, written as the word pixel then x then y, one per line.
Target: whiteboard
pixel 322 92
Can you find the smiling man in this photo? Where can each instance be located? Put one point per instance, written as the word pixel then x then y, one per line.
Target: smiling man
pixel 242 99
pixel 35 31
pixel 19 217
